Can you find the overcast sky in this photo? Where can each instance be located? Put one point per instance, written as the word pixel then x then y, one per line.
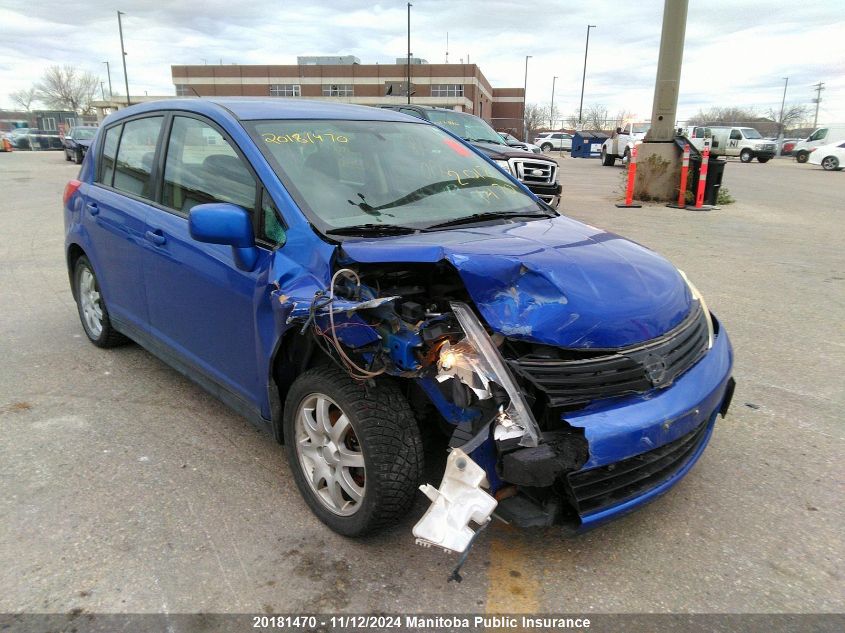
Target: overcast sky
pixel 737 51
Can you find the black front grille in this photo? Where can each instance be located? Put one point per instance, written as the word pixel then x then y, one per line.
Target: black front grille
pixel 657 363
pixel 606 486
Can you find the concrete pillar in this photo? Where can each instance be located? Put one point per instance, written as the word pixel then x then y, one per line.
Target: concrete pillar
pixel 659 164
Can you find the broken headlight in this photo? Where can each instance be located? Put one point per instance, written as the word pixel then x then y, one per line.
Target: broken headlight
pixel 475 361
pixel 697 295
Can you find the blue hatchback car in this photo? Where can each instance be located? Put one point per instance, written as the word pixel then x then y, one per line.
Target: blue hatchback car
pixel 353 280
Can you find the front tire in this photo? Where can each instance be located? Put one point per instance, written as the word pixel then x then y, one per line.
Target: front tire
pixel 830 163
pixel 547 147
pixel 78 157
pixel 802 157
pixel 67 156
pixel 746 156
pixel 355 451
pixel 92 308
pixel 606 159
pixel 762 159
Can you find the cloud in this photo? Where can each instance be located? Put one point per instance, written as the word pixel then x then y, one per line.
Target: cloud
pixel 736 53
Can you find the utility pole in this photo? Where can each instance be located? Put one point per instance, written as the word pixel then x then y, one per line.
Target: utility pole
pixel 584 75
pixel 552 108
pixel 782 105
pixel 447 47
pixel 108 72
pixel 103 90
pixel 524 94
pixel 123 56
pixel 409 52
pixel 819 87
pixel 664 109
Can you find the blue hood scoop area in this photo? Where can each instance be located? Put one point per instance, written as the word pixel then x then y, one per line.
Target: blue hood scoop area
pixel 555 282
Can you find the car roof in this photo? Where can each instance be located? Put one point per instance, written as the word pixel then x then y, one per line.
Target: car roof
pixel 257 108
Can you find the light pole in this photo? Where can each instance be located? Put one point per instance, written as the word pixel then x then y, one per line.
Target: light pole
pixel 552 108
pixel 409 52
pixel 108 72
pixel 103 90
pixel 782 104
pixel 584 76
pixel 524 93
pixel 123 55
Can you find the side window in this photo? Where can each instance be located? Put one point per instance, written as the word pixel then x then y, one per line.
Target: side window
pixel 202 167
pixel 134 165
pixel 272 229
pixel 109 153
pixel 736 135
pixel 818 134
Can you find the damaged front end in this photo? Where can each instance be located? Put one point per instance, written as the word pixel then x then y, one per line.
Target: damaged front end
pixel 538 434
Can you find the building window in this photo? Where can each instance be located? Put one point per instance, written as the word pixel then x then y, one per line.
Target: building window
pixel 183 90
pixel 337 90
pixel 447 90
pixel 285 90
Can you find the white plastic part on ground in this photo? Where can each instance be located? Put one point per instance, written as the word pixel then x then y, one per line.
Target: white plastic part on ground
pixel 458 501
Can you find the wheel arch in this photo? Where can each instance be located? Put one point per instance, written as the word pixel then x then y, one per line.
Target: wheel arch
pixel 74 252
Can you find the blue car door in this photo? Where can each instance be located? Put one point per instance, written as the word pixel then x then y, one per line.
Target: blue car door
pixel 200 304
pixel 115 215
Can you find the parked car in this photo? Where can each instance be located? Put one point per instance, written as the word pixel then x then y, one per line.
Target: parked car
pixel 621 142
pixel 788 146
pixel 17 134
pixel 351 279
pixel 539 174
pixel 820 136
pixel 549 141
pixel 36 140
pixel 831 157
pixel 77 142
pixel 743 142
pixel 511 141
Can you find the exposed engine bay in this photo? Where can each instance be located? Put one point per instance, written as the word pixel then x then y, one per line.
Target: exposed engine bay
pixel 415 321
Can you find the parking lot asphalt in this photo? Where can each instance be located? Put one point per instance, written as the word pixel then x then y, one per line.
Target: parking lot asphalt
pixel 125 488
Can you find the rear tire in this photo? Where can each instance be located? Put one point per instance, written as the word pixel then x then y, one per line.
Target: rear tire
pixel 606 159
pixel 547 147
pixel 746 156
pixel 830 163
pixel 92 308
pixel 67 156
pixel 78 157
pixel 762 160
pixel 802 156
pixel 364 475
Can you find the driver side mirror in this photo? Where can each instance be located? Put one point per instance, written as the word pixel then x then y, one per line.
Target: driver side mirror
pixel 619 130
pixel 225 223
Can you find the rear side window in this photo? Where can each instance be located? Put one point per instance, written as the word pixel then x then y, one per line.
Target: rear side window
pixel 203 167
pixel 109 153
pixel 133 171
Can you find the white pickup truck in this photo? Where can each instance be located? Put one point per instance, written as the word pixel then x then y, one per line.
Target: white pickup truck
pixel 619 145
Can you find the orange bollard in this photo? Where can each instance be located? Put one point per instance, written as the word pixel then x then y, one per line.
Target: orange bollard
pixel 7 145
pixel 702 177
pixel 682 192
pixel 632 173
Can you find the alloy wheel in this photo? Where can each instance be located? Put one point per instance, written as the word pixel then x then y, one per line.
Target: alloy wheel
pixel 89 301
pixel 330 454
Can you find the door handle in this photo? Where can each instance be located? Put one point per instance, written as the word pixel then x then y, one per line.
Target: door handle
pixel 156 237
pixel 92 207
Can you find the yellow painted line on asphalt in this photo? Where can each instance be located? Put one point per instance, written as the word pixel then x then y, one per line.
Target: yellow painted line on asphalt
pixel 513 580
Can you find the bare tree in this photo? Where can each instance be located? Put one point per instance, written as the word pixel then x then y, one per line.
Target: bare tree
pixel 66 88
pixel 622 117
pixel 535 118
pixel 24 98
pixel 571 120
pixel 794 115
pixel 724 115
pixel 595 117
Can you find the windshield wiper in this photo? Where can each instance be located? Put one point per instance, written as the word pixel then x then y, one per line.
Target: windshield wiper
pixel 485 140
pixel 372 229
pixel 490 215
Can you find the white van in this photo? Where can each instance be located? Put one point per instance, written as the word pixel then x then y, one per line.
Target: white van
pixel 745 142
pixel 819 137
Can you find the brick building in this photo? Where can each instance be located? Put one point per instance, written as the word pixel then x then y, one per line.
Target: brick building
pixel 457 86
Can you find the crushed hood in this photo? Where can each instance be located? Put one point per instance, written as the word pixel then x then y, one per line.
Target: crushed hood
pixel 557 282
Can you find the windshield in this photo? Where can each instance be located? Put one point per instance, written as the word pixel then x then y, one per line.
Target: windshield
pixel 641 128
pixel 468 127
pixel 351 173
pixel 750 132
pixel 83 133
